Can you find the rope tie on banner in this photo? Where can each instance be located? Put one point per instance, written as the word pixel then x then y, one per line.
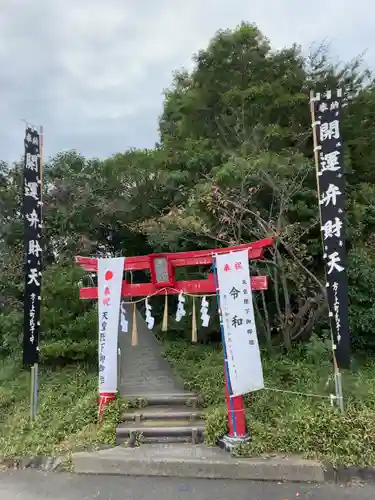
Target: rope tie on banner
pixel 330 397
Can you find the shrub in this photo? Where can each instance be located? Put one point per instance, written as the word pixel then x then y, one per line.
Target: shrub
pixel 292 415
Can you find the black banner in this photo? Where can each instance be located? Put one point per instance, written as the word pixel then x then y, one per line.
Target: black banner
pixel 32 212
pixel 331 191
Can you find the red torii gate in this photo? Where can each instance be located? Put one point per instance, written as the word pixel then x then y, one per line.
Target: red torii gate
pixel 163 270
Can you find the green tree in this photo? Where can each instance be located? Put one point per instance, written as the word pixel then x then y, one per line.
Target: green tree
pixel 89 204
pixel 232 130
pixel 234 164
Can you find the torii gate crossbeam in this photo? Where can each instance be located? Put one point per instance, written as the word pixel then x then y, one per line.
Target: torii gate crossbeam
pixel 163 271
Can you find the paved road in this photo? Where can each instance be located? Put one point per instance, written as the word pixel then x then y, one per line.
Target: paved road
pixel 34 485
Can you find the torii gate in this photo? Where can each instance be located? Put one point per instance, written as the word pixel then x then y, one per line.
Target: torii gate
pixel 163 270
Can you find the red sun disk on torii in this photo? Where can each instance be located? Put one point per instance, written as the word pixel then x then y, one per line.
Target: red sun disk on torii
pixel 108 275
pixel 167 284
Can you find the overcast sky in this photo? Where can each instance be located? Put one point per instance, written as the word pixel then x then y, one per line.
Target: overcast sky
pixel 93 71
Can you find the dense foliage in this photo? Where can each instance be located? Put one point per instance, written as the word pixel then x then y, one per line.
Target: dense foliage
pixel 292 415
pixel 234 164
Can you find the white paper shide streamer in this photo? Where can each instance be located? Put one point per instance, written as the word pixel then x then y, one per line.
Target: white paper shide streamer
pixel 150 320
pixel 123 321
pixel 205 317
pixel 180 307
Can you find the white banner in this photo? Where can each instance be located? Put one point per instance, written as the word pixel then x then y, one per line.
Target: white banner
pixel 241 341
pixel 110 273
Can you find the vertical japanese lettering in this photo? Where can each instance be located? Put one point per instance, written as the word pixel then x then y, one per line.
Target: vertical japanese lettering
pixel 331 186
pixel 238 323
pixel 32 212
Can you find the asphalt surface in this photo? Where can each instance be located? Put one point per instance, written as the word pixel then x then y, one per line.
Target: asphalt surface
pixel 34 485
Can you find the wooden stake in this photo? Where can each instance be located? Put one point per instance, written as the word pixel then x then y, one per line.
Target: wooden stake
pixel 164 326
pixel 134 326
pixel 194 337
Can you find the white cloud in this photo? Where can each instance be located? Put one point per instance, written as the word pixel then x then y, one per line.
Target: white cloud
pixel 93 71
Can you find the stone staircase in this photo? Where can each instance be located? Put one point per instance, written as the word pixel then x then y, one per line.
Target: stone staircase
pixel 161 411
pixel 167 418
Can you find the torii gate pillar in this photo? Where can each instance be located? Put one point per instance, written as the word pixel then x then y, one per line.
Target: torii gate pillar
pixel 163 267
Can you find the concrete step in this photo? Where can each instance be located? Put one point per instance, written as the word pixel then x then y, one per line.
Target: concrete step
pixel 200 461
pixel 160 440
pixel 174 399
pixel 162 412
pixel 162 429
pixel 167 440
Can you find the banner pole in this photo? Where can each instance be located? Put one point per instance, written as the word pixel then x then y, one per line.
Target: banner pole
pixel 36 365
pixel 32 393
pixel 235 406
pixel 36 388
pixel 336 371
pixel 32 215
pixel 339 392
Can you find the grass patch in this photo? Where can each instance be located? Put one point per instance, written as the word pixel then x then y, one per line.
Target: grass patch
pixel 67 412
pixel 285 423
